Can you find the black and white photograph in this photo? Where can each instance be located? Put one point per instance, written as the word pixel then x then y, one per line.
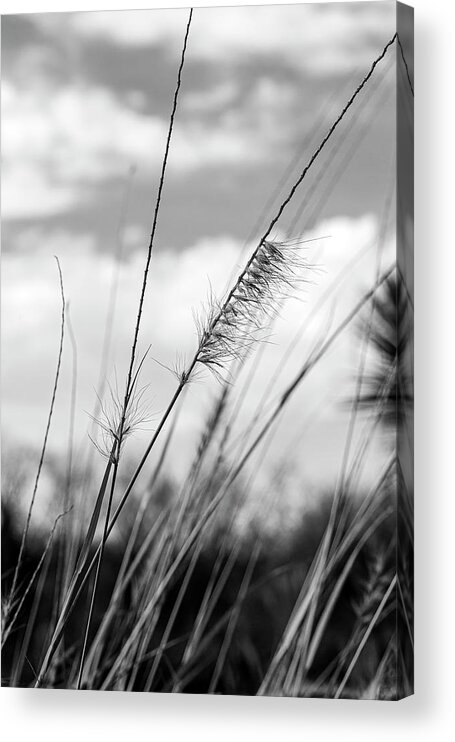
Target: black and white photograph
pixel 208 350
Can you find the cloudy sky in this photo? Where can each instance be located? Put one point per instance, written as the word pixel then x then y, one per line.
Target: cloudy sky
pixel 85 104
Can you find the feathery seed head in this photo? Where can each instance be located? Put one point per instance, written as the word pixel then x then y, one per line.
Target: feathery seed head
pixel 116 423
pixel 230 329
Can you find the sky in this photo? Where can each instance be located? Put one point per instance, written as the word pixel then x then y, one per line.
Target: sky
pixel 86 99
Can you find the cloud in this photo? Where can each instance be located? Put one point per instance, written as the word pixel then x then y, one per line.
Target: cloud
pixel 87 135
pixel 75 133
pixel 65 138
pixel 29 191
pixel 328 39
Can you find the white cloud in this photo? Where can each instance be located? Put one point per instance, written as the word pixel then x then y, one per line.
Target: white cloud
pixel 87 135
pixel 29 191
pixel 75 133
pixel 57 139
pixel 129 28
pixel 331 39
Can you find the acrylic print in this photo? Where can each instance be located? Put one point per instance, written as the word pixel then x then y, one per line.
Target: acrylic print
pixel 207 335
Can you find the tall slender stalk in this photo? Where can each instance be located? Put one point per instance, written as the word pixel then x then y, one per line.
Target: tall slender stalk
pixel 44 446
pixel 130 382
pixel 68 550
pixel 403 57
pixel 110 317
